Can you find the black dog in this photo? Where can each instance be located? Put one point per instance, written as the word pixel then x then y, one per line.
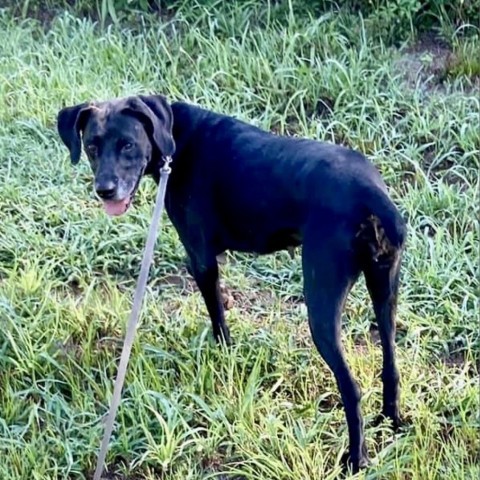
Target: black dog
pixel 236 187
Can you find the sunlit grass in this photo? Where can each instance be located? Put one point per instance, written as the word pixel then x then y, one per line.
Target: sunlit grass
pixel 268 408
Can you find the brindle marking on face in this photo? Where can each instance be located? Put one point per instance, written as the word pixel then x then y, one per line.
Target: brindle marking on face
pixel 120 137
pixel 118 148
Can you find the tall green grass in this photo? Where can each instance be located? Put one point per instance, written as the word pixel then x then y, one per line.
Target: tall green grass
pixel 268 408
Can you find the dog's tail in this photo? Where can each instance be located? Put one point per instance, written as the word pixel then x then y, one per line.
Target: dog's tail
pixel 379 204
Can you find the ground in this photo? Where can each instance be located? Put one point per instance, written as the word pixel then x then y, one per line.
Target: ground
pixel 267 408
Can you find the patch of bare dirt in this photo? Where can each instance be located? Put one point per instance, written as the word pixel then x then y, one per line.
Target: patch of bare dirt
pixel 361 342
pixel 254 300
pixel 454 360
pixel 429 58
pixel 186 286
pixel 215 464
pixel 227 296
pixel 373 336
pixel 116 476
pixel 46 13
pixel 181 280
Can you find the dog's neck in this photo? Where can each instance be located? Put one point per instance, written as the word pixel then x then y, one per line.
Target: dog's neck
pixel 186 119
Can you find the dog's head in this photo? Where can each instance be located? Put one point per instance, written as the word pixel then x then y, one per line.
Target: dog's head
pixel 120 137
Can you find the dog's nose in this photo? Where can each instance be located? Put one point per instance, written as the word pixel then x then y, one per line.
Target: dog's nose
pixel 106 188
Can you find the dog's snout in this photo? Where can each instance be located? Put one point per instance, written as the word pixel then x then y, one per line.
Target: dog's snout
pixel 106 187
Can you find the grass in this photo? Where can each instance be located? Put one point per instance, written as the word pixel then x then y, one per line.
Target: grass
pixel 465 61
pixel 268 408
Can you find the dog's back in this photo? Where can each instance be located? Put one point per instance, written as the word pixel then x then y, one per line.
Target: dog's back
pixel 260 189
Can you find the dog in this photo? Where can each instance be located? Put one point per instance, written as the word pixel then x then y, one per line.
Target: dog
pixel 236 187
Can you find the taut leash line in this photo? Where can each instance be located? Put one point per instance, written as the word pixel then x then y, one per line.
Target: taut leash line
pixel 134 316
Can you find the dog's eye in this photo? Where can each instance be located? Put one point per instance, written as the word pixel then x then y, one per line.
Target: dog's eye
pixel 127 147
pixel 92 150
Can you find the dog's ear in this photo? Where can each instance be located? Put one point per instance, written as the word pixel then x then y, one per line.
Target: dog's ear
pixel 155 113
pixel 71 122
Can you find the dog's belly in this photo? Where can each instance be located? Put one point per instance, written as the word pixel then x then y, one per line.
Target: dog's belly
pixel 262 242
pixel 260 224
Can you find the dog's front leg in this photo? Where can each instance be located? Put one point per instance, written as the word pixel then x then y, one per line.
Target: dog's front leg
pixel 205 273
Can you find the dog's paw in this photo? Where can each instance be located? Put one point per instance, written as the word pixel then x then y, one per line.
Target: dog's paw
pixel 352 465
pixel 223 338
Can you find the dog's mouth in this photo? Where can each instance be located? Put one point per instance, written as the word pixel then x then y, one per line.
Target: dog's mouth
pixel 115 208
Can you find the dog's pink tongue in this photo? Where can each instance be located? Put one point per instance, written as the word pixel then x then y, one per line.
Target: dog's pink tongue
pixel 115 207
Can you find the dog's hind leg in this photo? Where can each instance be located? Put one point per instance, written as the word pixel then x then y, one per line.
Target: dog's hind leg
pixel 206 275
pixel 382 279
pixel 329 271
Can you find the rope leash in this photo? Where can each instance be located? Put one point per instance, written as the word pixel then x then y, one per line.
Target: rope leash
pixel 135 314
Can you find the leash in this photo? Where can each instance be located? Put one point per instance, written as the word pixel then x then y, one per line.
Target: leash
pixel 134 316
